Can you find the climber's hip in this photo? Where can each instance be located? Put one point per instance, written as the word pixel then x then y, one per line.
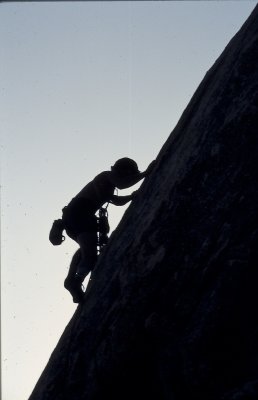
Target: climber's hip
pixel 79 217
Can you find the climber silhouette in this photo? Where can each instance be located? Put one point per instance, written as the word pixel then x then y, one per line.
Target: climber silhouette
pixel 80 222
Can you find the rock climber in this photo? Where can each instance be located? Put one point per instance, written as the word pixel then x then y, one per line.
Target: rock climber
pixel 80 222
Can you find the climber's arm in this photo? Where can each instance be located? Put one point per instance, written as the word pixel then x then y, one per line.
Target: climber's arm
pixel 120 200
pixel 125 182
pixel 137 178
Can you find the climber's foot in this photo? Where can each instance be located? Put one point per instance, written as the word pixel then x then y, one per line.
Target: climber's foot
pixel 74 286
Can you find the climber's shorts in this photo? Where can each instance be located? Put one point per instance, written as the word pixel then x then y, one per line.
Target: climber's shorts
pixel 79 217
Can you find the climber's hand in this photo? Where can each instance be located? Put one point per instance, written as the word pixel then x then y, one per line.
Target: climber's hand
pixel 150 167
pixel 134 194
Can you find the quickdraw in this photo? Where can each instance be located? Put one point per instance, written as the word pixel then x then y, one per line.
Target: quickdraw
pixel 103 228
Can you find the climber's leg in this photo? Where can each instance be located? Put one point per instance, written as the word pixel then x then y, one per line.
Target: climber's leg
pixel 74 264
pixel 82 263
pixel 71 283
pixel 88 247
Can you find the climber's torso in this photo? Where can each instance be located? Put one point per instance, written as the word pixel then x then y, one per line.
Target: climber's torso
pixel 99 190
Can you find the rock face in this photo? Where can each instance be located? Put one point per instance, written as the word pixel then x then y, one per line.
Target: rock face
pixel 172 310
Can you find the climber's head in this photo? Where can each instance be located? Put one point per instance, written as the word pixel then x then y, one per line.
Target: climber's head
pixel 125 166
pixel 123 170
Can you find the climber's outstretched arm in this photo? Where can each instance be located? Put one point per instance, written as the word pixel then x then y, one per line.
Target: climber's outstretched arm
pixel 142 175
pixel 120 200
pixel 127 181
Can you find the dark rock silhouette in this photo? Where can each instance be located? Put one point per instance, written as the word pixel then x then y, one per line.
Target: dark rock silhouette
pixel 172 309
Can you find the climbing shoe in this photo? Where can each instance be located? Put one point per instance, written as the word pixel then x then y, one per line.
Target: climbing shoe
pixel 74 286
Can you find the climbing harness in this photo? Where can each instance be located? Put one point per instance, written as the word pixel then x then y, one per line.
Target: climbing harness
pixel 56 236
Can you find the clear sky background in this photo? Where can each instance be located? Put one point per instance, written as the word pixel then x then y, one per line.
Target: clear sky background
pixel 82 84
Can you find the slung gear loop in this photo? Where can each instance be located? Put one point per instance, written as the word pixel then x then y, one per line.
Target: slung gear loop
pixel 103 228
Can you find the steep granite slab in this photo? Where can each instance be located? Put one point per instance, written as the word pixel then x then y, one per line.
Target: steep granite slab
pixel 172 309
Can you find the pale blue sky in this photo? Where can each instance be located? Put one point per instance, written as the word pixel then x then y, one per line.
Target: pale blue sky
pixel 82 84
